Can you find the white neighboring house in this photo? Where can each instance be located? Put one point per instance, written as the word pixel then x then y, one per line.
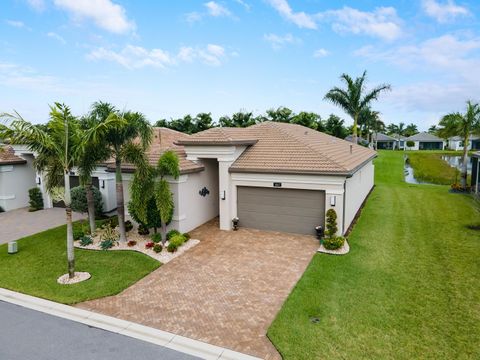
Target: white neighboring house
pixel 16 178
pixel 425 141
pixel 456 143
pixel 272 176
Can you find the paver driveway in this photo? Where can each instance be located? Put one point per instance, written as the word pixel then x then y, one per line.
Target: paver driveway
pixel 225 291
pixel 19 223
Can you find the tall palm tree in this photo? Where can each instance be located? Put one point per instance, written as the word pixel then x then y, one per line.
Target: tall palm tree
pixel 354 98
pixel 463 125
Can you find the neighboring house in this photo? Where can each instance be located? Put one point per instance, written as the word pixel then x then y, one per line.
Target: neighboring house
pixel 400 139
pixel 16 178
pixel 456 143
pixel 385 142
pixel 425 141
pixel 475 182
pixel 361 141
pixel 272 176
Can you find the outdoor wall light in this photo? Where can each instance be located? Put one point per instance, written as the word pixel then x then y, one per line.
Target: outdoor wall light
pixel 39 180
pixel 103 184
pixel 223 195
pixel 333 200
pixel 235 221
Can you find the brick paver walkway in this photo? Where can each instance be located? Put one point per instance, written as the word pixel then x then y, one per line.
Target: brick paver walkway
pixel 19 223
pixel 225 291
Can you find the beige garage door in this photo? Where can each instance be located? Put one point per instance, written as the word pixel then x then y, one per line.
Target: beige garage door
pixel 278 209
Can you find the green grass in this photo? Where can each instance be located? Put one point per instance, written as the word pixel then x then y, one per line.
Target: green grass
pixel 42 259
pixel 408 289
pixel 429 167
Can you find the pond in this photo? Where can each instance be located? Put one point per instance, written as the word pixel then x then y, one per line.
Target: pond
pixel 409 177
pixel 456 161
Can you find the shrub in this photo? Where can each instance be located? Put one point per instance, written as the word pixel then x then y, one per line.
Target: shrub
pixel 172 233
pixel 175 242
pixel 156 238
pixel 333 243
pixel 86 240
pixel 128 226
pixel 79 200
pixel 157 248
pixel 131 243
pixel 172 247
pixel 1 209
pixel 78 234
pixel 36 199
pixel 106 244
pixel 410 143
pixel 113 221
pixel 186 236
pixel 109 233
pixel 149 244
pixel 143 230
pixel 332 228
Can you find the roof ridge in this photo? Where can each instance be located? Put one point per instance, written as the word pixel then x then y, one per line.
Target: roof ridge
pixel 279 128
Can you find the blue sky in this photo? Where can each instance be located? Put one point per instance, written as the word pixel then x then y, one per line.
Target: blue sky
pixel 171 58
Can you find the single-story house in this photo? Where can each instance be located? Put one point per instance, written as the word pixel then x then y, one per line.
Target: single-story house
pixel 475 182
pixel 400 139
pixel 272 176
pixel 425 141
pixel 16 178
pixel 456 143
pixel 385 142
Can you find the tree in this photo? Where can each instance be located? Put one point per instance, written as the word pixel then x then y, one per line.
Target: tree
pixel 410 130
pixel 239 119
pixel 57 148
pixel 463 125
pixel 308 119
pixel 334 126
pixel 187 124
pixel 354 98
pixel 80 201
pixel 433 129
pixel 126 142
pixel 281 114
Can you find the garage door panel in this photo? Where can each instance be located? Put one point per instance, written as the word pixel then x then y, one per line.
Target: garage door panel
pixel 286 210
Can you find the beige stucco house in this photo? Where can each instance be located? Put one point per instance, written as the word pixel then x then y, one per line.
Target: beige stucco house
pixel 272 176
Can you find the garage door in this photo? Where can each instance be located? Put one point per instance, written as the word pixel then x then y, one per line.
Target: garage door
pixel 278 209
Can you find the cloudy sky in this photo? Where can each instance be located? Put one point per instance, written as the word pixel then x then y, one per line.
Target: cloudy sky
pixel 171 58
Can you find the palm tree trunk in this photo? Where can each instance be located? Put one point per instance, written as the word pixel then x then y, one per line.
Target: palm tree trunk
pixel 354 135
pixel 120 200
pixel 91 207
pixel 463 180
pixel 68 211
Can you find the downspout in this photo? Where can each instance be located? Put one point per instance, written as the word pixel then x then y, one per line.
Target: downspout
pixel 344 203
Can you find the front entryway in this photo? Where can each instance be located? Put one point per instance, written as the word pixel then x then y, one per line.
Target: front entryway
pixel 288 210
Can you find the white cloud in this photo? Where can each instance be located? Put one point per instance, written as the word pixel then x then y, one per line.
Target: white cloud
pixel 383 22
pixel 38 5
pixel 445 12
pixel 57 37
pixel 320 53
pixel 193 17
pixel 104 13
pixel 216 10
pixel 301 19
pixel 24 77
pixel 244 4
pixel 15 23
pixel 136 57
pixel 278 41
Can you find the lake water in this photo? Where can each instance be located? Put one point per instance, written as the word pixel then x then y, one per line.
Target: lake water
pixel 456 161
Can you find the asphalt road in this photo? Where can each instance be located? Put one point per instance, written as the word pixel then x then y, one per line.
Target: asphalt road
pixel 27 334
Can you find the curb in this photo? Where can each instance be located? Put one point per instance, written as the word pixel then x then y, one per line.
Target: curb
pixel 140 332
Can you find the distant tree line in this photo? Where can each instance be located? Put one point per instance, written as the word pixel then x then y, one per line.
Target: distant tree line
pixel 188 124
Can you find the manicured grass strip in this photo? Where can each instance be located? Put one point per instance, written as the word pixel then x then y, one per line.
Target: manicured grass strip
pixel 407 290
pixel 429 167
pixel 42 259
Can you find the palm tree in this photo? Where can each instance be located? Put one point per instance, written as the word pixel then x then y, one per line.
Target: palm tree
pixel 126 142
pixel 463 125
pixel 353 99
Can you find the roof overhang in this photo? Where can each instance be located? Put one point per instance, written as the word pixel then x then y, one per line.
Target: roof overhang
pixel 132 170
pixel 215 143
pixel 13 162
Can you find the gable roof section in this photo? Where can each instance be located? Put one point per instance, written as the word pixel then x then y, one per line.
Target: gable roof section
pixel 163 139
pixel 383 137
pixel 8 157
pixel 424 136
pixel 287 148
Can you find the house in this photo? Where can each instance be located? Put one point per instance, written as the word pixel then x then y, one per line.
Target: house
pixel 456 143
pixel 425 141
pixel 475 182
pixel 16 178
pixel 272 176
pixel 385 142
pixel 400 139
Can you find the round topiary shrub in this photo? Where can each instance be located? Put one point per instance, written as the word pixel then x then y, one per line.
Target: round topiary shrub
pixel 333 243
pixel 156 238
pixel 172 233
pixel 157 248
pixel 79 200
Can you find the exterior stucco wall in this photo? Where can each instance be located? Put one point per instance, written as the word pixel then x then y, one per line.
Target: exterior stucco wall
pixel 15 181
pixel 357 188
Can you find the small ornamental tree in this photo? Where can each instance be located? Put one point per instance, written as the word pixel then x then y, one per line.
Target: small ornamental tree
pixel 410 143
pixel 80 203
pixel 36 199
pixel 331 223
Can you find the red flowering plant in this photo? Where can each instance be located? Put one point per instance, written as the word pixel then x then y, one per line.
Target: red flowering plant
pixel 149 244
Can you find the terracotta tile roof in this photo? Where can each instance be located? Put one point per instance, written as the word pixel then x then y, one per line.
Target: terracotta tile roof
pixel 220 136
pixel 164 139
pixel 288 148
pixel 8 157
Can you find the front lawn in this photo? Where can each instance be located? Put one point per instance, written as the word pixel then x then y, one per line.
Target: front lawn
pixel 408 288
pixel 42 259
